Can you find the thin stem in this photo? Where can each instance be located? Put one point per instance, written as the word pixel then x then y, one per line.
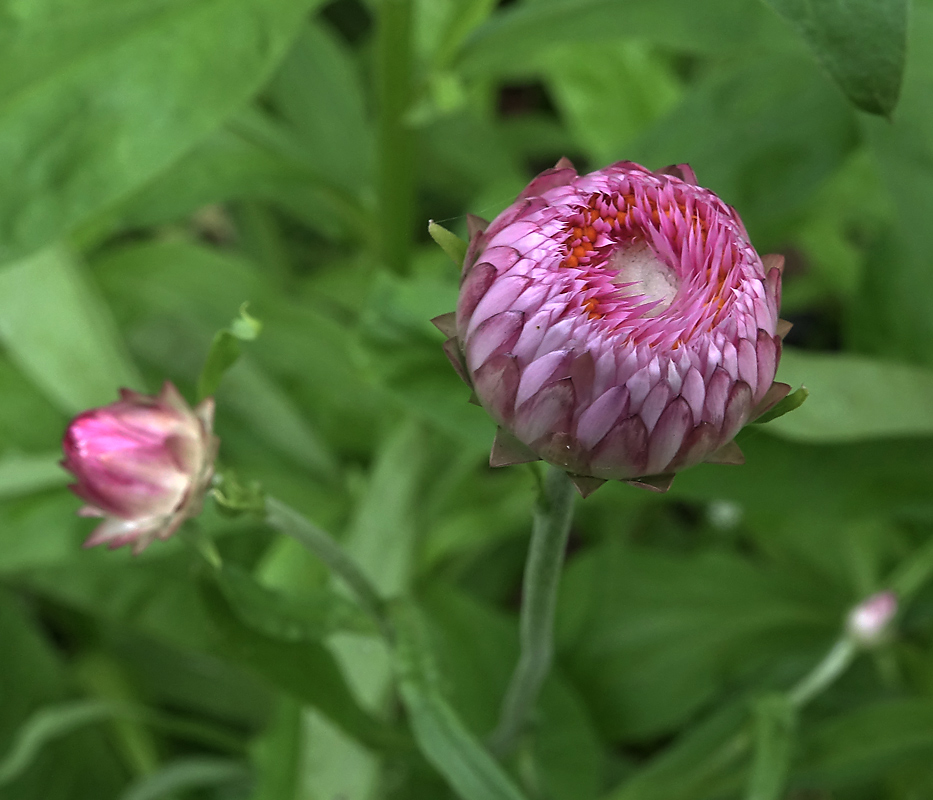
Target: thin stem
pixel 836 661
pixel 552 519
pixel 288 521
pixel 395 139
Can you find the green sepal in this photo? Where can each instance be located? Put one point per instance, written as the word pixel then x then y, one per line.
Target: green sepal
pixel 793 401
pixel 225 350
pixel 233 497
pixel 449 242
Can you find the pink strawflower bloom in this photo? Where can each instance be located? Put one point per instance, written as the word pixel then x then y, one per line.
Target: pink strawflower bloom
pixel 142 463
pixel 619 325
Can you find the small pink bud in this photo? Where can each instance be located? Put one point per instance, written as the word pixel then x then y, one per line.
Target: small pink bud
pixel 868 621
pixel 142 463
pixel 619 325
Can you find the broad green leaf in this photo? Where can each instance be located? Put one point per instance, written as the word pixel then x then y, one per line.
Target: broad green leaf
pixel 707 760
pixel 764 135
pixel 476 648
pixel 24 474
pixel 98 97
pixel 665 633
pixel 187 774
pixel 775 722
pixel 319 73
pixel 513 39
pixel 276 754
pixel 46 725
pixel 311 617
pixel 304 669
pixel 853 397
pixel 894 314
pixel 861 43
pixel 852 747
pixel 59 331
pixel 440 733
pixel 43 756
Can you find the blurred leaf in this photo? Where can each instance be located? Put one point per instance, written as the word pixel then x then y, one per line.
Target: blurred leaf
pixel 894 314
pixel 276 755
pixel 24 474
pixel 512 39
pixel 60 332
pixel 663 634
pixel 45 725
pixel 225 350
pixel 319 73
pixel 852 397
pixel 476 648
pixel 707 760
pixel 310 618
pixel 304 669
pixel 608 101
pixel 95 107
pixel 186 774
pixel 440 733
pixel 46 759
pixel 775 721
pixel 862 43
pixel 763 135
pixel 850 747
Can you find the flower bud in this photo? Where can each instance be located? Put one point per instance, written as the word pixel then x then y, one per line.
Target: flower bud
pixel 618 325
pixel 142 463
pixel 868 622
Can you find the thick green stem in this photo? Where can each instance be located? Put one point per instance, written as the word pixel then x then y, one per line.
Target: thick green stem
pixel 836 661
pixel 396 142
pixel 552 519
pixel 288 521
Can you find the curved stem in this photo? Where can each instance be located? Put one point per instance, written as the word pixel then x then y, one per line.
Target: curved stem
pixel 288 521
pixel 549 534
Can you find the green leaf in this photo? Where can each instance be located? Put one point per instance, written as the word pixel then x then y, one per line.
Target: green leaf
pixel 440 733
pixel 775 720
pixel 314 616
pixel 305 669
pixel 186 774
pixel 225 350
pixel 319 72
pixel 853 398
pixel 92 109
pixel 24 474
pixel 706 760
pixel 449 242
pixel 45 725
pixel 861 43
pixel 60 332
pixel 513 40
pixel 855 746
pixel 662 634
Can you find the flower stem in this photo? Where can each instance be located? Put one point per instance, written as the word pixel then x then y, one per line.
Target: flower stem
pixel 824 674
pixel 288 521
pixel 395 140
pixel 552 518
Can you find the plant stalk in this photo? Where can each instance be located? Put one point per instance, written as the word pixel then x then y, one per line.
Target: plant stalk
pixel 395 139
pixel 553 515
pixel 316 540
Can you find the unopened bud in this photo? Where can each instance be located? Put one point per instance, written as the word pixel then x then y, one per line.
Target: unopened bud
pixel 868 622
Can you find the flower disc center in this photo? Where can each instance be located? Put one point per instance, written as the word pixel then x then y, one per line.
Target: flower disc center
pixel 640 273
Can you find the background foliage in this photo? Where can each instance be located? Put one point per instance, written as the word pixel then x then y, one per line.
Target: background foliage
pixel 164 161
